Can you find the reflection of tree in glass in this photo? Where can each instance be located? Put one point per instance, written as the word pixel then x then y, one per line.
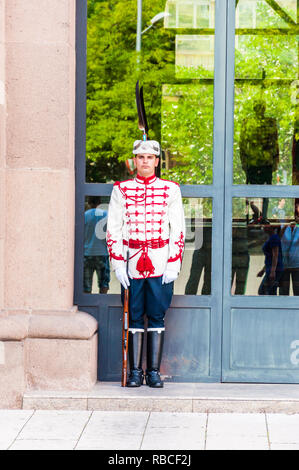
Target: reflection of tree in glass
pixel 278 107
pixel 274 54
pixel 187 132
pixel 111 124
pixel 263 57
pixel 259 151
pixel 260 14
pixel 111 78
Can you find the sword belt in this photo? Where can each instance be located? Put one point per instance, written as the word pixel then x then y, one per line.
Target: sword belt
pixel 154 243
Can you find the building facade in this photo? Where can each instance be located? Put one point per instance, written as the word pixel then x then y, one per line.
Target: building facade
pixel 236 77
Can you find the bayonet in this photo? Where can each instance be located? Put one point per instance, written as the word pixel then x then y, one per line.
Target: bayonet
pixel 142 121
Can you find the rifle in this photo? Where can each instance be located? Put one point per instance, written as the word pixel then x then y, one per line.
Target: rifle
pixel 125 333
pixel 142 121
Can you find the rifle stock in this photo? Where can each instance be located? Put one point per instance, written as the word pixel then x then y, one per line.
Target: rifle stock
pixel 125 338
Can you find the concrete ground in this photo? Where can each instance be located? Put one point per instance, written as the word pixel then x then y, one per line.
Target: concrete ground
pixel 139 430
pixel 174 397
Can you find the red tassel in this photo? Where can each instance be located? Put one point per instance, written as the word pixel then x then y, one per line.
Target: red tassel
pixel 144 264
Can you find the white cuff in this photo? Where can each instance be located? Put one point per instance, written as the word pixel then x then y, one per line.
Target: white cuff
pixel 159 330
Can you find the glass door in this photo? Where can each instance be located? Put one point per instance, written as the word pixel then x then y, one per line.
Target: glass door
pixel 182 66
pixel 261 237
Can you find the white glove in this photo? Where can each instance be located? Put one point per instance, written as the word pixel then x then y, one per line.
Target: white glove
pixel 169 276
pixel 122 276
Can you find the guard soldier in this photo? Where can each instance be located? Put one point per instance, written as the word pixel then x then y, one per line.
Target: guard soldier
pixel 146 217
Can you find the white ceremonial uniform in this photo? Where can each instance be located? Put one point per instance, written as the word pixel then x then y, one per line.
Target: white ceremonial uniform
pixel 146 215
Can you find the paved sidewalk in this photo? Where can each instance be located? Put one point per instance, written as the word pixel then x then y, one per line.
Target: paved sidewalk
pixel 139 430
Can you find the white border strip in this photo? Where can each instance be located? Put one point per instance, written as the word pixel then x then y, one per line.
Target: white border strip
pixel 156 329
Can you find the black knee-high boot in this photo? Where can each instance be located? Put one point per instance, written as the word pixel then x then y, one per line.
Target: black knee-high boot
pixel 155 341
pixel 135 358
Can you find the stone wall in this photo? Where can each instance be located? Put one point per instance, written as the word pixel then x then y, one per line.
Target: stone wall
pixel 43 337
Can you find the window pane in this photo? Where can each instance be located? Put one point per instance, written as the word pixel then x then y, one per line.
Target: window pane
pixel 271 56
pixel 166 59
pixel 194 56
pixel 185 14
pixel 204 15
pixel 261 14
pixel 265 250
pixel 195 276
pixel 266 130
pixel 190 14
pixel 97 273
pixel 187 133
pixel 170 21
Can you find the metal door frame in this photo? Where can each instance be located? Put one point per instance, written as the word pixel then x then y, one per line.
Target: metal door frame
pixel 232 190
pixel 92 302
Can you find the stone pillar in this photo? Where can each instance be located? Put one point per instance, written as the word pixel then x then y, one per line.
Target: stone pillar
pixel 44 342
pixel 2 150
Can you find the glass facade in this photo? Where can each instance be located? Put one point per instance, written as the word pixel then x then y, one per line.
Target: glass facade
pixel 187 133
pixel 266 88
pixel 177 72
pixel 191 14
pixel 179 102
pixel 220 81
pixel 196 273
pixel 181 116
pixel 265 251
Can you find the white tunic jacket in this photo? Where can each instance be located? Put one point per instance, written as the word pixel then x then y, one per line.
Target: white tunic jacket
pixel 146 218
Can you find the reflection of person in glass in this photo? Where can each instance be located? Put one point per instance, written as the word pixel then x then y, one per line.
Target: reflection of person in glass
pixel 290 251
pixel 96 258
pixel 278 212
pixel 273 267
pixel 259 150
pixel 240 258
pixel 201 260
pixel 146 217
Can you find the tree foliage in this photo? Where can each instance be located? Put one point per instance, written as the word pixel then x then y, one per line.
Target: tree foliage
pixel 179 100
pixel 112 72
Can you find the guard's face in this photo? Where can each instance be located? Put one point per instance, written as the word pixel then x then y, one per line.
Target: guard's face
pixel 146 164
